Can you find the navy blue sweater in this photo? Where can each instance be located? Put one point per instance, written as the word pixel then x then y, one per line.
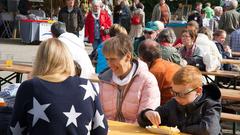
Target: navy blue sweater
pixel 71 107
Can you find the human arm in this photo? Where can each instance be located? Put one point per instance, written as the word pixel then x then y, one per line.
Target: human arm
pixel 22 103
pixel 80 20
pixel 150 94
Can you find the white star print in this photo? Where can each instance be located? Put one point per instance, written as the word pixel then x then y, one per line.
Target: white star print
pixel 98 120
pixel 17 130
pixel 72 116
pixel 89 127
pixel 89 91
pixel 38 111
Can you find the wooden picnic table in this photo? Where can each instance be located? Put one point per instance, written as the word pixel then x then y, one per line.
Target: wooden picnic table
pixel 16 72
pixel 233 75
pixel 230 61
pixel 121 128
pixel 236 54
pixel 230 94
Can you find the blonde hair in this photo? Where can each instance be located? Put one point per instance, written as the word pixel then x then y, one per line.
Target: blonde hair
pixel 118 45
pixel 116 29
pixel 53 57
pixel 188 75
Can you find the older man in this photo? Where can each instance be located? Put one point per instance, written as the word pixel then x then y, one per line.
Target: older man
pixel 161 12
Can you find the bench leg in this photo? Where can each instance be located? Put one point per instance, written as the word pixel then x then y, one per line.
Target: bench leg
pixel 234 128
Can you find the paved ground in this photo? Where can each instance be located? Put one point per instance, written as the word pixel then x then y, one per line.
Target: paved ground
pixel 21 51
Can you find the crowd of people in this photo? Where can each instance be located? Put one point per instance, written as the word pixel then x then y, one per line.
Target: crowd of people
pixel 147 75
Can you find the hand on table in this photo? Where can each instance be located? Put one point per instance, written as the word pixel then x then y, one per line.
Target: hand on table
pixel 154 117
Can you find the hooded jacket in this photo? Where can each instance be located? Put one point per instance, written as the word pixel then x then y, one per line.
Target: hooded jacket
pixel 143 93
pixel 202 117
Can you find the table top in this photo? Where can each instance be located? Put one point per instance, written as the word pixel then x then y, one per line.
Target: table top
pixel 230 94
pixel 19 68
pixel 222 73
pixel 236 54
pixel 230 61
pixel 120 128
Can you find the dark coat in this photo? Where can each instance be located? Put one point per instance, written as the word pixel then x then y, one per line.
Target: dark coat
pixel 202 117
pixel 74 20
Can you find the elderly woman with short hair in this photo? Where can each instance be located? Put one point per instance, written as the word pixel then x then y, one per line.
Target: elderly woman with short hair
pixel 127 87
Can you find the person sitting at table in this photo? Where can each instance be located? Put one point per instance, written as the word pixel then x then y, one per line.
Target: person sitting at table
pixel 163 70
pixel 76 48
pixel 211 56
pixel 166 38
pixel 72 16
pixel 190 52
pixel 127 87
pixel 195 109
pixel 55 101
pixel 219 37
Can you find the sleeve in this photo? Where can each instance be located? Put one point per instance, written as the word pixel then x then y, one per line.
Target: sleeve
pixel 80 20
pixel 150 96
pixel 154 13
pixel 60 17
pixel 87 26
pixel 163 112
pixel 209 124
pixel 22 102
pixel 100 125
pixel 221 22
pixel 108 22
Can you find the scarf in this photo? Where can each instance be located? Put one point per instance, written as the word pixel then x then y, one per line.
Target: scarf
pixel 125 80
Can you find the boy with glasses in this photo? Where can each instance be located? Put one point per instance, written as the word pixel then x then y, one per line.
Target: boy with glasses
pixel 195 109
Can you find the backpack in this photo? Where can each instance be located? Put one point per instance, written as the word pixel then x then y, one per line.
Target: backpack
pixel 136 19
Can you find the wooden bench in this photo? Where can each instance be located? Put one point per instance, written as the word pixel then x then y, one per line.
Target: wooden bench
pixel 234 95
pixel 230 117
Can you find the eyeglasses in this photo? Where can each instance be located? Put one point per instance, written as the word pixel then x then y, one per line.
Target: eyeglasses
pixel 182 94
pixel 148 32
pixel 185 36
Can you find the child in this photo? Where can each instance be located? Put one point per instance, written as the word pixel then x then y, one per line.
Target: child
pixel 195 109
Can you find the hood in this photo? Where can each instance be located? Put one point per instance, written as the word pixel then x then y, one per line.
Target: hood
pixel 141 67
pixel 211 91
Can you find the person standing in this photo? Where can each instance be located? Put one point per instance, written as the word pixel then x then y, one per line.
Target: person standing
pixel 196 15
pixel 208 11
pixel 161 12
pixel 229 21
pixel 72 16
pixel 97 25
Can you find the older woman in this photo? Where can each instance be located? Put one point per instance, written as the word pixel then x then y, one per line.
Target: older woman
pixel 54 101
pixel 190 52
pixel 127 87
pixel 166 39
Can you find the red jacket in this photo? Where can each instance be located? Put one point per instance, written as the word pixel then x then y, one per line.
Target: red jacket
pixel 104 20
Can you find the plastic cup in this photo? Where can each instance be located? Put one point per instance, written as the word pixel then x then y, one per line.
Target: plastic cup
pixel 8 60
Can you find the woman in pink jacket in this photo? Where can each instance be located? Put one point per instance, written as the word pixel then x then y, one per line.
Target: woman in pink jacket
pixel 127 87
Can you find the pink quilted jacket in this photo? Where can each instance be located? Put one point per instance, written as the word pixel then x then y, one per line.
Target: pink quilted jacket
pixel 143 93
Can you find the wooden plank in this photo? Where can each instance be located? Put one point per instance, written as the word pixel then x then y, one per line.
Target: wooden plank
pixel 17 68
pixel 236 54
pixel 222 73
pixel 230 94
pixel 121 128
pixel 230 61
pixel 230 117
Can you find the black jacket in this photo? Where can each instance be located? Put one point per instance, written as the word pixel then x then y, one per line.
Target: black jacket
pixel 202 117
pixel 74 20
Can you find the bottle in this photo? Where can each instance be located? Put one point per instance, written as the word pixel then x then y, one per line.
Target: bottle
pixel 2 102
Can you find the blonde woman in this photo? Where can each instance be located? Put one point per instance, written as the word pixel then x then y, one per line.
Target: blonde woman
pixel 55 101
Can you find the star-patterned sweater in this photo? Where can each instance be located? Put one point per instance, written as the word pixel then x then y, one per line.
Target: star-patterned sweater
pixel 71 107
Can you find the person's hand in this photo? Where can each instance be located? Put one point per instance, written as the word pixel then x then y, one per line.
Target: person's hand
pixel 102 28
pixel 154 117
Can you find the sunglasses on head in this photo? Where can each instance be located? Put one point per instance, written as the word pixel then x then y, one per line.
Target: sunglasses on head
pixel 148 32
pixel 182 94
